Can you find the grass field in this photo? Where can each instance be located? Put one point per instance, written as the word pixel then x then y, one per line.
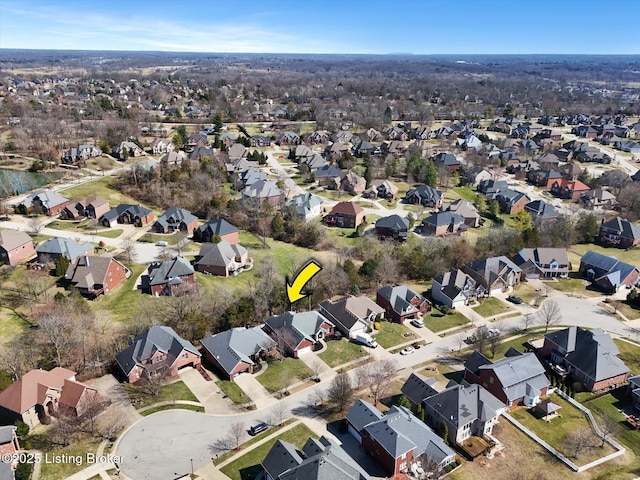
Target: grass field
pixel 101 187
pixel 78 448
pixel 342 351
pixel 248 466
pixel 575 286
pixel 162 408
pixel 436 321
pixel 233 391
pixel 291 369
pixel 631 312
pixel 172 391
pixel 10 324
pixel 122 302
pixel 392 334
pixel 492 306
pixel 629 354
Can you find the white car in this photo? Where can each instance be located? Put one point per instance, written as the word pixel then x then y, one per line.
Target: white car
pixel 407 351
pixel 417 323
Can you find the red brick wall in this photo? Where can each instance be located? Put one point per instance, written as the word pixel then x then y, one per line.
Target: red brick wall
pixel 116 274
pixel 231 237
pixel 17 254
pixel 180 362
pixel 381 455
pixel 213 270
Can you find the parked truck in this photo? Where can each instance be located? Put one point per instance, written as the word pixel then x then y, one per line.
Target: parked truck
pixel 365 339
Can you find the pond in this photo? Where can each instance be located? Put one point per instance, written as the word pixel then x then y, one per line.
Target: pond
pixel 14 182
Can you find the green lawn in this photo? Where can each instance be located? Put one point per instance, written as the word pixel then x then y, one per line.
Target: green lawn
pixel 631 312
pixel 576 286
pixel 110 233
pixel 172 391
pixel 629 354
pixel 101 186
pixel 10 324
pixel 170 238
pixel 392 334
pixel 233 391
pixel 161 408
pixel 631 256
pixel 492 306
pixel 555 432
pixel 526 292
pixel 291 368
pixel 122 302
pixel 248 466
pixel 465 193
pixel 342 351
pixel 66 469
pixel 69 225
pixel 436 321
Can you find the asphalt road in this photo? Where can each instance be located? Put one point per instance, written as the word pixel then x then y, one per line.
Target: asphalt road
pixel 162 445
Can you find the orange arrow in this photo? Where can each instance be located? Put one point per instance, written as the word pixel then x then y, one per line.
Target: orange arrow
pixel 306 273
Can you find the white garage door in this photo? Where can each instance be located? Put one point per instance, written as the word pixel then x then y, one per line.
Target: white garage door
pixel 305 349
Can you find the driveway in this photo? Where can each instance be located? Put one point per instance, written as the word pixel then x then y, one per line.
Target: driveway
pixel 207 392
pixel 252 387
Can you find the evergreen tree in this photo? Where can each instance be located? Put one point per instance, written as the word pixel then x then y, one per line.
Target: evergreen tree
pixel 403 401
pixel 431 177
pixel 61 266
pixel 444 432
pixel 420 411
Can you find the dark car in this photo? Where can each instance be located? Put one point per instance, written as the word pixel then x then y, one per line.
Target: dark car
pixel 256 429
pixel 515 299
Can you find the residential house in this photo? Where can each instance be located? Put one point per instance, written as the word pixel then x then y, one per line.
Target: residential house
pixel 9 445
pixel 517 379
pixel 446 160
pixel 598 199
pixel 336 151
pixel 393 226
pixel 634 390
pixel 237 350
pixel 288 138
pixel 398 439
pixel 455 288
pixel 126 150
pixel 618 232
pixel 351 315
pixel 169 278
pixel 260 141
pixel 81 154
pixel 381 189
pixel 199 154
pixel 158 350
pixel 55 247
pixel 223 259
pixel 495 274
pixel 161 146
pixel 328 175
pixel 352 183
pixel 90 207
pixel 396 133
pixel 607 273
pixel 363 148
pixel 543 178
pixel 306 206
pixel 511 201
pixel 263 191
pixel 345 215
pixel 628 146
pixel 171 160
pixel 40 394
pixel 319 459
pixel 588 356
pixel 543 262
pixel 425 195
pixel 47 201
pixel 541 211
pixel 466 209
pixel 401 303
pixel 15 246
pixel 237 151
pixel 94 276
pixel 196 140
pixel 130 214
pixel 298 332
pixel 584 131
pixel 441 224
pixel 217 227
pixel 418 388
pixel 571 189
pixel 466 410
pixel 175 219
pixel 476 174
pixel 491 187
pixel 392 147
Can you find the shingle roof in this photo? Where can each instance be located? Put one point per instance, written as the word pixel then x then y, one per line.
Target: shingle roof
pixel 262 189
pixel 609 267
pixel 145 345
pixel 27 392
pixel 623 227
pixel 218 226
pixel 393 222
pixel 64 246
pixel 49 198
pixel 350 310
pixel 87 270
pixel 135 210
pixel 519 374
pixel 417 388
pixel 400 297
pixel 443 218
pixel 346 208
pixel 541 209
pixel 176 215
pixel 304 203
pixel 302 325
pixel 165 272
pixel 10 239
pixel 220 254
pixel 362 414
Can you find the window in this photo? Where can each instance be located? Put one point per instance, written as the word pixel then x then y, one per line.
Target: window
pixel 491 380
pixel 185 355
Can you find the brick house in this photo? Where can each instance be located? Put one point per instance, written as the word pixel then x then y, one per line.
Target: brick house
pixel 55 247
pixel 170 278
pixel 543 178
pixel 216 227
pixel 618 232
pixel 128 214
pixel 588 356
pixel 345 215
pixel 494 274
pixel 381 189
pixel 237 350
pixel 94 276
pixel 15 246
pixel 175 219
pixel 571 189
pixel 442 224
pixel 393 226
pixel 425 195
pixel 156 351
pixel 511 201
pixel 401 303
pixel 351 315
pixel 90 207
pixel 263 190
pixel 47 201
pixel 608 273
pixel 223 259
pixel 517 379
pixel 298 332
pixel 396 440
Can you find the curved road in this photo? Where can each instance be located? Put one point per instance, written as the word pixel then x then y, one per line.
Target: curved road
pixel 163 445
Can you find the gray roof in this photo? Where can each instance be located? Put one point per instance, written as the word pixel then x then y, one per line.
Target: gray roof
pixel 609 268
pixel 590 351
pixel 262 189
pixel 489 270
pixel 176 215
pixel 399 432
pixel 6 434
pixel 519 375
pixel 135 210
pixel 64 246
pixel 362 414
pixel 541 209
pixel 623 227
pixel 328 171
pixel 145 345
pixel 48 198
pixel 303 203
pixel 542 256
pixel 443 218
pixel 302 325
pixel 400 298
pixel 10 239
pixel 218 226
pixel 169 271
pixel 426 193
pixel 349 311
pixel 86 271
pixel 393 222
pixel 237 345
pixel 417 388
pixel 220 254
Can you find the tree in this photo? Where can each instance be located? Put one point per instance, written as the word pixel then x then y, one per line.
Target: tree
pixel 527 320
pixel 549 313
pixel 61 265
pixel 278 414
pixel 420 411
pixel 92 406
pixel 579 441
pixel 494 343
pixel 481 337
pixel 57 328
pixel 237 433
pixel 63 430
pixel 35 226
pixel 608 427
pixel 494 209
pixel 522 220
pixel 480 202
pixel 377 377
pixel 182 239
pixel 129 249
pixel 317 366
pixel 509 110
pixel 340 391
pixel 586 228
pixel 403 401
pixel 444 431
pixel 431 177
pixel 286 380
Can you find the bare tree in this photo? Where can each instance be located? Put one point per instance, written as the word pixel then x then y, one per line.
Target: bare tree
pixel 278 414
pixel 182 239
pixel 377 376
pixel 527 321
pixel 481 337
pixel 340 392
pixel 111 422
pixel 64 428
pixel 129 248
pixel 237 433
pixel 494 343
pixel 286 380
pixel 549 313
pixel 317 366
pixel 92 406
pixel 35 226
pixel 12 359
pixel 57 328
pixel 153 380
pixel 579 441
pixel 615 303
pixel 608 427
pixel 430 467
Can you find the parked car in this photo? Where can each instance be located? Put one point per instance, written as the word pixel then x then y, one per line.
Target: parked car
pixel 407 351
pixel 162 243
pixel 417 323
pixel 256 429
pixel 493 332
pixel 515 299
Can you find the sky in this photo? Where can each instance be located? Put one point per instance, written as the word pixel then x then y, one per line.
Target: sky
pixel 325 26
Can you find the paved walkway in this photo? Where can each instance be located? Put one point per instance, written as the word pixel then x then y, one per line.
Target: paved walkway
pixel 207 392
pixel 254 389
